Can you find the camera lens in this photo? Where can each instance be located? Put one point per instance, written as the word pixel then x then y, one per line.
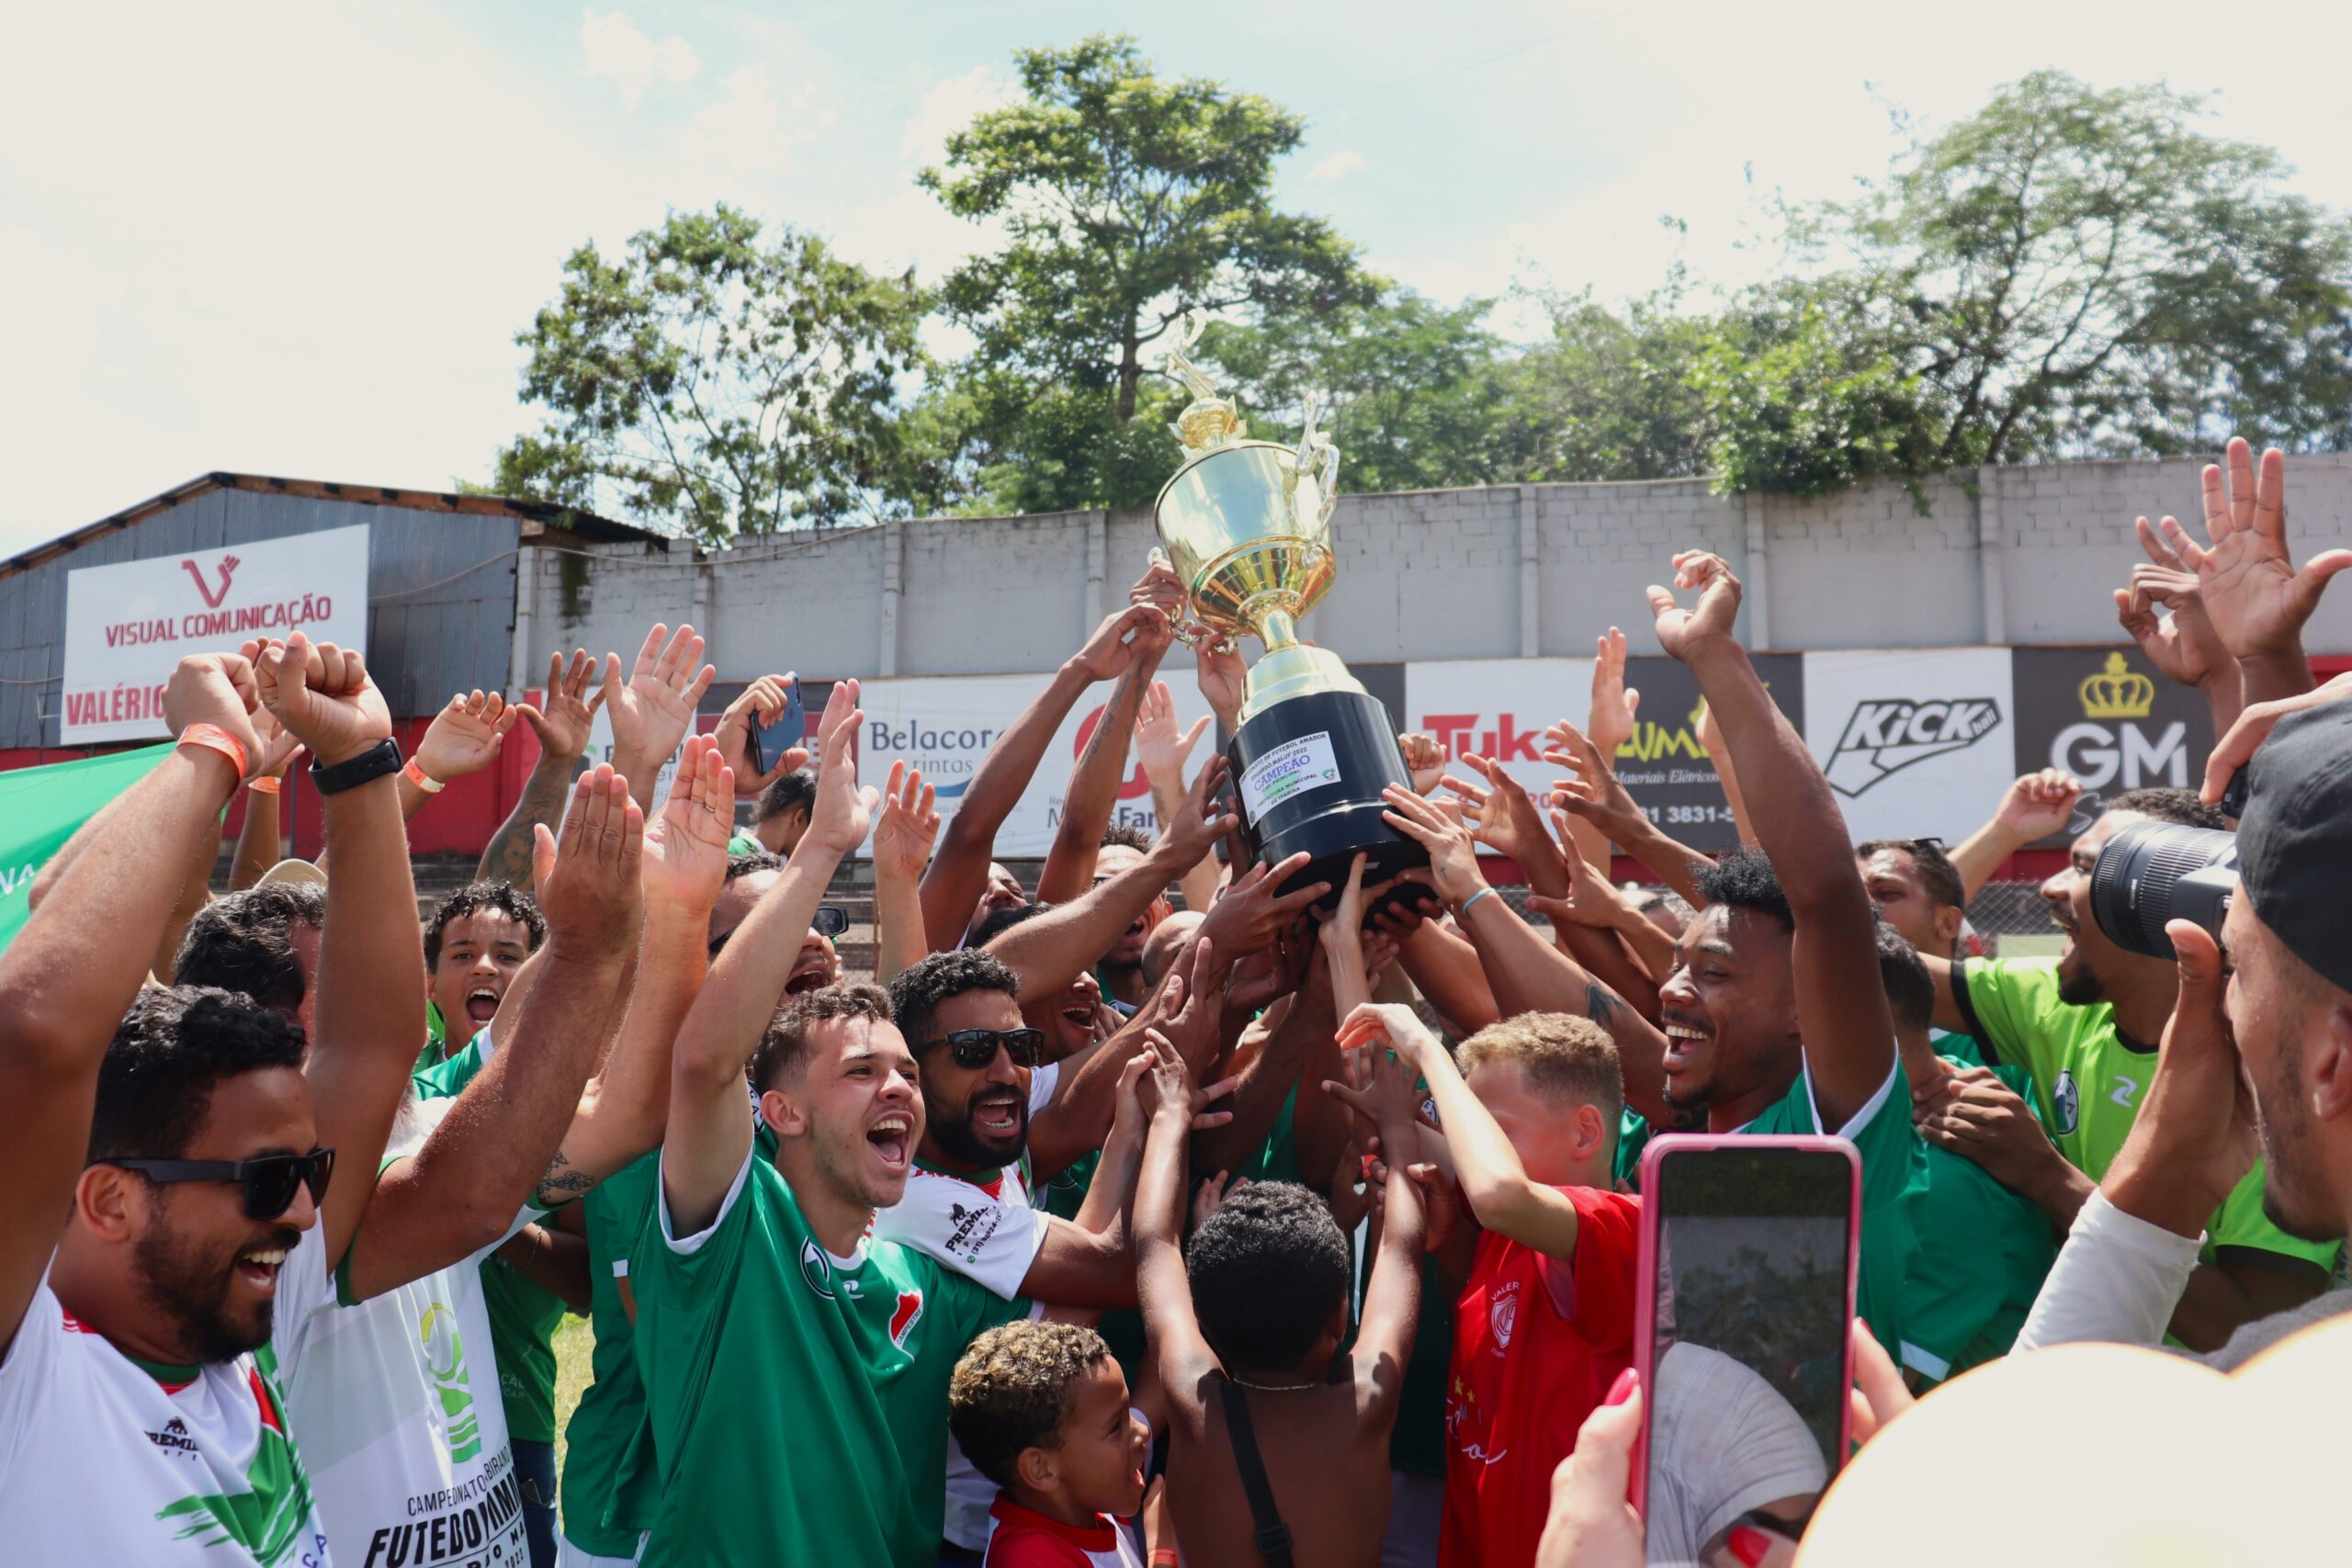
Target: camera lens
pixel 2158 872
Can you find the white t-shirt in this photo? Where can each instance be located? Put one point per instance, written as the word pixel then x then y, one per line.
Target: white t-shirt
pixel 103 1460
pixel 396 1399
pixel 989 1233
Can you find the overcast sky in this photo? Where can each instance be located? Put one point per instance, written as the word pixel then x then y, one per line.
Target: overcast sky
pixel 299 238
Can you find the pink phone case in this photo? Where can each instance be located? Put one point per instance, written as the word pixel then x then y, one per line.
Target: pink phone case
pixel 1645 1300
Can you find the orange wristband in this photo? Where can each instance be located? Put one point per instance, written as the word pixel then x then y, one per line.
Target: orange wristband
pixel 422 779
pixel 213 738
pixel 1164 1557
pixel 264 785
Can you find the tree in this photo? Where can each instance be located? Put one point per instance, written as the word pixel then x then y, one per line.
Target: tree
pixel 717 381
pixel 2077 272
pixel 1127 199
pixel 1611 395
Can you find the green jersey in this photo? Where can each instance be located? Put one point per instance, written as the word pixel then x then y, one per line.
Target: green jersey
pixel 1983 1251
pixel 794 1396
pixel 523 1316
pixel 613 1409
pixel 2088 1084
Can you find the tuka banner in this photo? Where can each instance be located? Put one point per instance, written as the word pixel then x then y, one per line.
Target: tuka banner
pixel 1669 771
pixel 42 807
pixel 2107 716
pixel 127 625
pixel 1915 741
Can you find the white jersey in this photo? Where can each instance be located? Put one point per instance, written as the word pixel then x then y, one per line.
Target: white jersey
pixel 397 1399
pixel 106 1460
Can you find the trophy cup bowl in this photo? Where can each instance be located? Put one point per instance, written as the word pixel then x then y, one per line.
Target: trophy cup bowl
pixel 1246 526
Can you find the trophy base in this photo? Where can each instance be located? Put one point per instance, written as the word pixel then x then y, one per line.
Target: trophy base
pixel 1310 770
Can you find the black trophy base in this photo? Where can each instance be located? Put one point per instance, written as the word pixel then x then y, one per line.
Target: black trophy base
pixel 1308 772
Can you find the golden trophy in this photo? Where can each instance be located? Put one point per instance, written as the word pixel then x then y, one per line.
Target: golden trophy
pixel 1247 524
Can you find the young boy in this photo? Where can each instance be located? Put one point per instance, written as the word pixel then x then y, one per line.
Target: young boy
pixel 1041 1409
pixel 1278 1447
pixel 1544 1324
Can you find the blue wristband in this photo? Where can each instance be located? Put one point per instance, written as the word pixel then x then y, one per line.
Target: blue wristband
pixel 1465 909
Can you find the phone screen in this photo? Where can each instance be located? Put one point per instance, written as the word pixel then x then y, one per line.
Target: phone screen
pixel 1748 1342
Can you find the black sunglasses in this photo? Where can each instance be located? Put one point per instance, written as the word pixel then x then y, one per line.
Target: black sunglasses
pixel 269 1180
pixel 976 1047
pixel 830 920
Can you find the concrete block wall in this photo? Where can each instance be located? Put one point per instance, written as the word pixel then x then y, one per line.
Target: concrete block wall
pixel 2017 554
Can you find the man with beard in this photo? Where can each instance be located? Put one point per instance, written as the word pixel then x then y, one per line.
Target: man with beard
pixel 478 939
pixel 187 1152
pixel 1120 970
pixel 969 1202
pixel 2085 1027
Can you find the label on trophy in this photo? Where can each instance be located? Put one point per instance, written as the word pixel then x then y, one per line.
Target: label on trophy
pixel 1292 768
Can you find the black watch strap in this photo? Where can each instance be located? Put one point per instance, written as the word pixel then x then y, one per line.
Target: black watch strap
pixel 384 757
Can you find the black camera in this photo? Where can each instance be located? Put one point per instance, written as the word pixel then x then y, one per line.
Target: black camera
pixel 2158 871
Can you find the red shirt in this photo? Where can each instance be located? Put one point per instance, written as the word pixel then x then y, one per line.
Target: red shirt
pixel 1024 1538
pixel 1537 1342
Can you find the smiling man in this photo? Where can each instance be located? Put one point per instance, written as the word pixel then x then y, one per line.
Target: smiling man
pixel 476 941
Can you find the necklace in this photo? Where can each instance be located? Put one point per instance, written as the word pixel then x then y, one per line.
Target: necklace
pixel 1269 1387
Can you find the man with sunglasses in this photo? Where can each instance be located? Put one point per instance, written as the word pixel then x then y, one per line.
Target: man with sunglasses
pixel 969 1199
pixel 188 1150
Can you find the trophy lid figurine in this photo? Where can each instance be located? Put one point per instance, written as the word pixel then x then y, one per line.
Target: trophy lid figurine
pixel 1247 524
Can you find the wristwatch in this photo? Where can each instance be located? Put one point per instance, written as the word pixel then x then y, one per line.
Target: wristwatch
pixel 384 757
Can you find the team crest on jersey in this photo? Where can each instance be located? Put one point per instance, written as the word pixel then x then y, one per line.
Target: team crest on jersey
pixel 904 1317
pixel 1502 1313
pixel 817 1269
pixel 2068 1102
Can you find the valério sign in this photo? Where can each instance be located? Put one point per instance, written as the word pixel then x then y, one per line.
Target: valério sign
pixel 128 624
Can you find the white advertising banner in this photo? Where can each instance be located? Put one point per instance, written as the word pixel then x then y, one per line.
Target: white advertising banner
pixel 128 625
pixel 1916 742
pixel 944 726
pixel 1499 708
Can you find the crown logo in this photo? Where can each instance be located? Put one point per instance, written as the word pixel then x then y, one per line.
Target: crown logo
pixel 2116 692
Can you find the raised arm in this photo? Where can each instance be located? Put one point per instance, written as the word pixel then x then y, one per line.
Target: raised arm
pixel 1163 749
pixel 2035 806
pixel 461 1189
pixel 2255 594
pixel 1841 1011
pixel 1710 741
pixel 562 725
pixel 1183 1007
pixel 1610 720
pixel 902 840
pixel 70 975
pixel 951 888
pixel 260 842
pixel 762 704
pixel 464 738
pixel 1392 1296
pixel 1102 767
pixel 1596 795
pixel 707 1133
pixel 1091 1261
pixel 651 712
pixel 1180 1354
pixel 370 1014
pixel 2182 642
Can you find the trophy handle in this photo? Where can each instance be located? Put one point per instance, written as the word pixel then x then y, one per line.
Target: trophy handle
pixel 1318 459
pixel 1191 633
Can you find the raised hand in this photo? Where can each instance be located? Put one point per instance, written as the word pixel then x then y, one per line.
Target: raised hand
pixel 1592 901
pixel 321 694
pixel 587 880
pixel 1507 818
pixel 1210 1196
pixel 684 861
pixel 1260 904
pixel 2257 598
pixel 655 707
pixel 465 736
pixel 563 719
pixel 2183 645
pixel 762 704
pixel 1194 830
pixel 1344 923
pixel 1614 704
pixel 2038 804
pixel 1224 682
pixel 844 811
pixel 1113 649
pixel 1392 1025
pixel 1424 760
pixel 1454 853
pixel 2236 748
pixel 1161 586
pixel 1160 746
pixel 278 749
pixel 1595 794
pixel 903 834
pixel 1682 632
pixel 217 689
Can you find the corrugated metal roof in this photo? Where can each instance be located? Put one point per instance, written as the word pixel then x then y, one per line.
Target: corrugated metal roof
pixel 538 517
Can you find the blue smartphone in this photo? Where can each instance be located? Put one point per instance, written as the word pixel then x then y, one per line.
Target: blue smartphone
pixel 771 741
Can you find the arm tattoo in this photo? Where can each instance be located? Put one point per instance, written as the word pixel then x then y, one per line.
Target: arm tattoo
pixel 563 1182
pixel 508 858
pixel 1600 1003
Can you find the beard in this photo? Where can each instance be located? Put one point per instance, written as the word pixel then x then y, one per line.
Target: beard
pixel 2079 985
pixel 2287 1186
pixel 190 1291
pixel 958 1141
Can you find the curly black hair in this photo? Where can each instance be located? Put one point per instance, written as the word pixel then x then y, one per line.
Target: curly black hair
pixel 918 989
pixel 1743 879
pixel 171 1050
pixel 745 861
pixel 473 899
pixel 1938 875
pixel 2180 806
pixel 1269 1270
pixel 1910 989
pixel 244 943
pixel 786 1040
pixel 1013 1391
pixel 1127 836
pixel 794 791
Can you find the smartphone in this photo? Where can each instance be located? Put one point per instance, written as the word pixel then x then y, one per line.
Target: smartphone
pixel 771 741
pixel 1747 1287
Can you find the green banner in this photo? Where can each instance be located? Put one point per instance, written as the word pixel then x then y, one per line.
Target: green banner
pixel 41 807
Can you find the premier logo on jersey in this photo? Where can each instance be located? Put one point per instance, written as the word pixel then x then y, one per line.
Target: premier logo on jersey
pixel 1886 735
pixel 904 1317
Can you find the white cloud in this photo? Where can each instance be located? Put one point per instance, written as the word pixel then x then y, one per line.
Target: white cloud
pixel 1339 165
pixel 615 49
pixel 948 106
pixel 754 129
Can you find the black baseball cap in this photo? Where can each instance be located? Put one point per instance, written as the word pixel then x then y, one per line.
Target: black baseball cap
pixel 2295 840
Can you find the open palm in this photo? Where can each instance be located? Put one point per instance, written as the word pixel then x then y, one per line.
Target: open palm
pixel 2256 598
pixel 684 863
